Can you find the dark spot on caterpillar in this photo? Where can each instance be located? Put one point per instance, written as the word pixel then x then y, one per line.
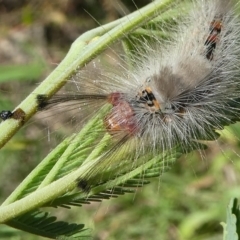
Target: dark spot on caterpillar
pixel 211 42
pixel 41 101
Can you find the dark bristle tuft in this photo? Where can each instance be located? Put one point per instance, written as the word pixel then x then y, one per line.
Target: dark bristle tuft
pixel 83 185
pixel 42 101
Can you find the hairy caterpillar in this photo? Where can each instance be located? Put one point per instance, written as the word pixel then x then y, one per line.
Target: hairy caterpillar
pixel 176 94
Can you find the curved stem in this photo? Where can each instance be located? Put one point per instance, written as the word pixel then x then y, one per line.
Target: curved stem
pixel 85 48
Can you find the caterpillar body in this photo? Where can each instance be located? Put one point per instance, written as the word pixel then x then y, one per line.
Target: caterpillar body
pixel 176 94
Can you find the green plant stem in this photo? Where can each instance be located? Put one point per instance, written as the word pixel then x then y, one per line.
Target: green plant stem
pixel 133 173
pixel 24 184
pixel 78 138
pixel 60 155
pixel 44 195
pixel 66 184
pixel 85 48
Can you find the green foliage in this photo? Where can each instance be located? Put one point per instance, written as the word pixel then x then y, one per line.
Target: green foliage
pixel 232 227
pixel 21 72
pixel 40 223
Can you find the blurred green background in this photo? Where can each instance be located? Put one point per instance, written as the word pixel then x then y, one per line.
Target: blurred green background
pixel 188 202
